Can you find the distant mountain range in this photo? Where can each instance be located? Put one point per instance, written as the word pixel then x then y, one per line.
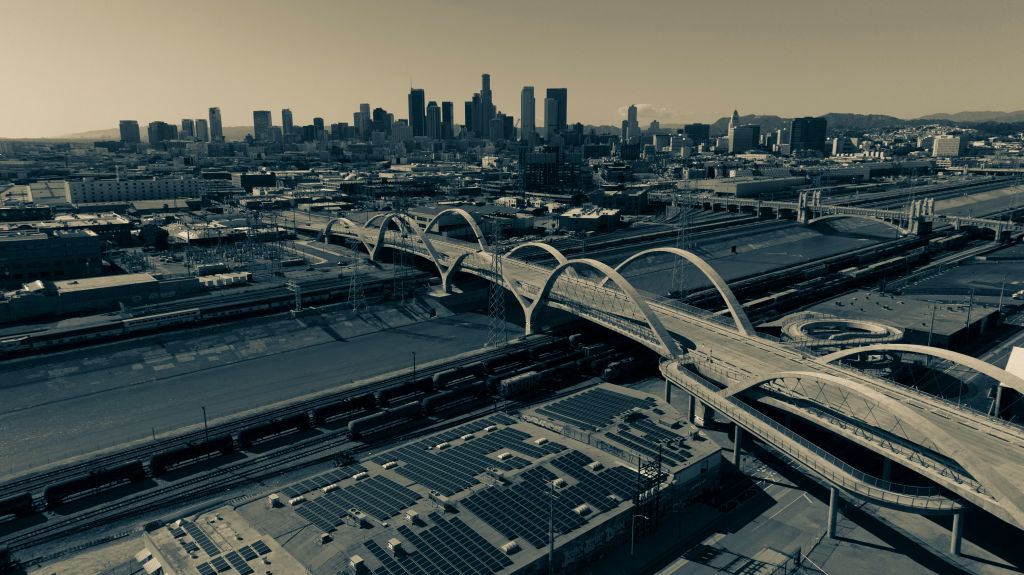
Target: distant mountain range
pixel 836 121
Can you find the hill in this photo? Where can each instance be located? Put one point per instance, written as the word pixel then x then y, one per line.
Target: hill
pixel 960 117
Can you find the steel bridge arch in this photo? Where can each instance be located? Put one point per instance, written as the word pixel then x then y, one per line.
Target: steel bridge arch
pixel 661 342
pixel 1005 378
pixel 326 231
pixel 481 240
pixel 550 249
pixel 828 217
pixel 403 220
pixel 739 316
pixel 994 483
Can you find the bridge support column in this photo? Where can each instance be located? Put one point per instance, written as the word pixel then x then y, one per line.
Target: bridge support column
pixel 957 533
pixel 737 449
pixel 705 415
pixel 668 391
pixel 833 512
pixel 691 408
pixel 887 469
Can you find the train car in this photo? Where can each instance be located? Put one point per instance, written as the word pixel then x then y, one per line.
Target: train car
pixel 502 363
pixel 404 390
pixel 519 384
pixel 450 376
pixel 347 406
pixel 175 458
pixel 15 343
pixel 96 481
pixel 161 320
pixel 384 421
pixel 264 431
pixel 445 399
pixel 17 506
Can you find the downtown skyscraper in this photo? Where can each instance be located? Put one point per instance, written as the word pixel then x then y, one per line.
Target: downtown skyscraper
pixel 528 116
pixel 216 127
pixel 561 98
pixel 417 112
pixel 262 126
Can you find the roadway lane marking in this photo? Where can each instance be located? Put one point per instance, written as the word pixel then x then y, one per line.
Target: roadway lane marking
pixel 774 515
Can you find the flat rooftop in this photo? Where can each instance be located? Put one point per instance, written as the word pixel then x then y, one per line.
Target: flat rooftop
pixel 460 500
pixel 85 284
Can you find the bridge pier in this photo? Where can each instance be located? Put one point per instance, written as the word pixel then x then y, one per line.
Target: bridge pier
pixel 956 536
pixel 833 512
pixel 737 449
pixel 691 407
pixel 668 391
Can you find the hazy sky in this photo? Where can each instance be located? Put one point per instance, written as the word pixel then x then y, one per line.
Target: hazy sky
pixel 76 65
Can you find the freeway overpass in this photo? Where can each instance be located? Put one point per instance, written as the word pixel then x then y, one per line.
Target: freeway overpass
pixel 964 457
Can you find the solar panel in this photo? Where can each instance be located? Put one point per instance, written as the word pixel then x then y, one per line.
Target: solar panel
pixel 204 542
pixel 248 553
pixel 238 563
pixel 205 569
pixel 261 547
pixel 220 564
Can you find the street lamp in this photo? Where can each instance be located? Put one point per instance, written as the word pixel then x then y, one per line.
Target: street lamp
pixel 632 533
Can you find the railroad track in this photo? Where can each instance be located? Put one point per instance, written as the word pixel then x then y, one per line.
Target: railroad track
pixel 37 481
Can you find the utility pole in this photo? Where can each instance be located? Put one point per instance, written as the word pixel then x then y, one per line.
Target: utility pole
pixel 414 367
pixel 206 429
pixel 970 308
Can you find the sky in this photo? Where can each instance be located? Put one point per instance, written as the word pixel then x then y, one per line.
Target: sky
pixel 76 65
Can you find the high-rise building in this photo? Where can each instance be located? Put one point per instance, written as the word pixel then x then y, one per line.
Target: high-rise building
pixel 188 129
pixel 550 118
pixel 433 121
pixel 262 125
pixel 447 120
pixel 734 120
pixel 417 112
pixel 633 125
pixel 698 133
pixel 319 129
pixel 487 110
pixel 216 128
pixel 469 113
pixel 808 134
pixel 160 132
pixel 947 146
pixel 528 116
pixel 561 97
pixel 130 132
pixel 380 121
pixel 202 130
pixel 743 138
pixel 287 125
pixel 365 124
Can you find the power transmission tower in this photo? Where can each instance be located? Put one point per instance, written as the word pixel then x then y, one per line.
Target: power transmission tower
pixel 497 329
pixel 678 287
pixel 356 295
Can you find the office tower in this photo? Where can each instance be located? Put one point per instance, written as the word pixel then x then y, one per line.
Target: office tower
pixel 160 132
pixel 528 116
pixel 699 133
pixel 808 134
pixel 633 125
pixel 734 120
pixel 550 118
pixel 417 114
pixel 624 135
pixel 319 130
pixel 469 117
pixel 561 97
pixel 202 130
pixel 478 127
pixel 261 126
pixel 743 138
pixel 216 128
pixel 948 146
pixel 486 102
pixel 364 124
pixel 432 129
pixel 447 120
pixel 380 121
pixel 401 131
pixel 188 129
pixel 286 122
pixel 130 132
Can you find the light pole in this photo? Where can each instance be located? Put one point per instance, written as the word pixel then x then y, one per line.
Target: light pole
pixel 206 430
pixel 632 533
pixel 414 367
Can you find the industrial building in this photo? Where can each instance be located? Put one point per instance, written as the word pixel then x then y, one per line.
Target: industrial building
pixel 27 256
pixel 118 190
pixel 473 498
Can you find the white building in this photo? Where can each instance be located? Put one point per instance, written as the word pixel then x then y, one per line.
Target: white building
pixel 90 191
pixel 946 147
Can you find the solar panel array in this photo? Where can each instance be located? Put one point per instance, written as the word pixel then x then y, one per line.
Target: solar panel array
pixel 647 437
pixel 453 433
pixel 446 547
pixel 205 569
pixel 238 563
pixel 314 483
pixel 595 408
pixel 449 471
pixel 261 547
pixel 377 496
pixel 220 564
pixel 522 510
pixel 201 539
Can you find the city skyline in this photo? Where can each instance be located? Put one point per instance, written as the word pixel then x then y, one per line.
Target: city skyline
pixel 699 61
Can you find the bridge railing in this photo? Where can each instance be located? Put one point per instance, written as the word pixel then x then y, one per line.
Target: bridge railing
pixel 921 497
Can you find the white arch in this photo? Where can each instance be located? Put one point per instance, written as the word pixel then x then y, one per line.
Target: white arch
pixel 859 217
pixel 480 239
pixel 1004 377
pixel 662 341
pixel 739 316
pixel 325 233
pixel 403 220
pixel 559 256
pixel 982 471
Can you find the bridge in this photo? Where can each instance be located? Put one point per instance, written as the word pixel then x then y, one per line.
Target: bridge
pixel 962 457
pixel 918 219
